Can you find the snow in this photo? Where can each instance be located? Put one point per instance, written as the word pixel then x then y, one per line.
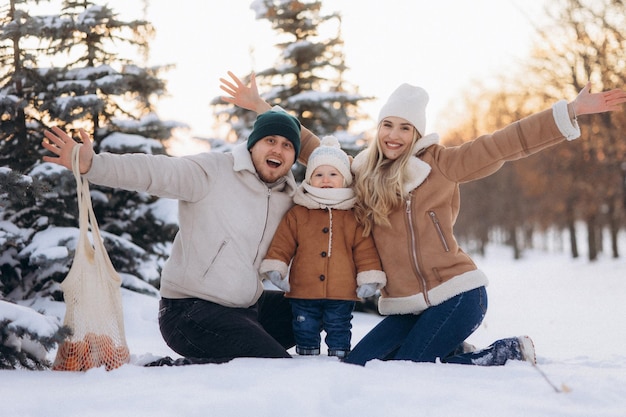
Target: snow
pixel 573 310
pixel 20 316
pixel 165 210
pixel 52 243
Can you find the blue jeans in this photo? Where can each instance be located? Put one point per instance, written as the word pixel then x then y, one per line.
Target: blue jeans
pixel 205 332
pixel 310 317
pixel 438 332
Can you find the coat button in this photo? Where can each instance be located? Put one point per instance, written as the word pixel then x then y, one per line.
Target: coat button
pixel 325 230
pixel 323 254
pixel 322 277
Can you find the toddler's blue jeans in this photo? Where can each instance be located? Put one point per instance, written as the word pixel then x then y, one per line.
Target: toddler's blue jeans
pixel 310 317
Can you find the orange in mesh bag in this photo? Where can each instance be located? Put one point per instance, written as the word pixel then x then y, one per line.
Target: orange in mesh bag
pixel 92 296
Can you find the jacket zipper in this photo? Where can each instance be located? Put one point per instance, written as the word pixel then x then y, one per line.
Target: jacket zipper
pixel 267 211
pixel 414 249
pixel 435 220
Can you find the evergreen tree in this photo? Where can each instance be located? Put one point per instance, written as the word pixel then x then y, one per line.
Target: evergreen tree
pixel 94 87
pixel 17 192
pixel 66 70
pixel 307 78
pixel 309 74
pixel 20 82
pixel 26 336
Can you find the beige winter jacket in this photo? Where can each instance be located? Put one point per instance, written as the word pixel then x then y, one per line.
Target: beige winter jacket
pixel 227 216
pixel 422 260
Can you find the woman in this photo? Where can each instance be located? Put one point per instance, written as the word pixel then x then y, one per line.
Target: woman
pixel 407 188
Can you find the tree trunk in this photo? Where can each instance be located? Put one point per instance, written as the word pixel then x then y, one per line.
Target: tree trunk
pixel 513 241
pixel 614 246
pixel 572 238
pixel 571 226
pixel 614 227
pixel 592 241
pixel 484 241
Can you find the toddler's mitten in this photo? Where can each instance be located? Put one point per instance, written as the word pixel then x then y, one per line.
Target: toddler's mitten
pixel 277 280
pixel 366 290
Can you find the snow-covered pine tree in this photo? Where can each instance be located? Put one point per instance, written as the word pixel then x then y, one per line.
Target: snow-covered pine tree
pixel 16 193
pixel 68 70
pixel 90 85
pixel 308 76
pixel 26 336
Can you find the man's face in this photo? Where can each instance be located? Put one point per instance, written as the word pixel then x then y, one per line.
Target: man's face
pixel 273 157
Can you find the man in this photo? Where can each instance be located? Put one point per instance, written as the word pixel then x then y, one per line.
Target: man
pixel 213 306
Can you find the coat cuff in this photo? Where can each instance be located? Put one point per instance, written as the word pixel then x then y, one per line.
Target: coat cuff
pixel 371 277
pixel 568 127
pixel 274 265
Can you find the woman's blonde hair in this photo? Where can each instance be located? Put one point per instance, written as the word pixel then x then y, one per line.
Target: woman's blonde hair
pixel 379 185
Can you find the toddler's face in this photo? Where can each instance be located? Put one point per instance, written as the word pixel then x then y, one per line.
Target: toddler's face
pixel 326 176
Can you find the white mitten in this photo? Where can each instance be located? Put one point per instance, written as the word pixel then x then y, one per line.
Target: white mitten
pixel 366 290
pixel 277 280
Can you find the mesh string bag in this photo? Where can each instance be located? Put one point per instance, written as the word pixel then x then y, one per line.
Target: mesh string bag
pixel 93 300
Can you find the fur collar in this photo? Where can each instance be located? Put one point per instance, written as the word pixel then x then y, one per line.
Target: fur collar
pixel 417 170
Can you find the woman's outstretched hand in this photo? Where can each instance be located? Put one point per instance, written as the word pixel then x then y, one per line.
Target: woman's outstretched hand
pixel 591 103
pixel 61 144
pixel 243 96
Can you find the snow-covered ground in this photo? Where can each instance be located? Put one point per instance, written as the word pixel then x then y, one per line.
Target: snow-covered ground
pixel 573 309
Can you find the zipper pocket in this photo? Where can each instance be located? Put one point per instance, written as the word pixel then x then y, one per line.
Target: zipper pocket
pixel 217 255
pixel 435 220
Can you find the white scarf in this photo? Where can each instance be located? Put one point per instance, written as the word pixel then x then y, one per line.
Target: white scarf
pixel 322 198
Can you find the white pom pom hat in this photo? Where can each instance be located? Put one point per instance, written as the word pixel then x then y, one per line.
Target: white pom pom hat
pixel 329 153
pixel 408 102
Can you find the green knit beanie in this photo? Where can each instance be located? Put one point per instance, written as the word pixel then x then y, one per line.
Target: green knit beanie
pixel 276 123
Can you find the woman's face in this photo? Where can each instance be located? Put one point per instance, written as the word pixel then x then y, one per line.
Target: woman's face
pixel 395 136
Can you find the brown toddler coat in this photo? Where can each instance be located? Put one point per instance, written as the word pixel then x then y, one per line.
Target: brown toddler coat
pixel 330 255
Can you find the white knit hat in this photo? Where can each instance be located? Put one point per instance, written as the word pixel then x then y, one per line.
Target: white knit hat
pixel 408 102
pixel 329 153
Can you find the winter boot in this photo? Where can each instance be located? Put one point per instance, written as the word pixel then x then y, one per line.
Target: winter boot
pixel 514 348
pixel 340 353
pixel 307 351
pixel 519 348
pixel 527 348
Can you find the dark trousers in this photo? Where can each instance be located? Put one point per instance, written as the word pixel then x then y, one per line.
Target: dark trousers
pixel 205 332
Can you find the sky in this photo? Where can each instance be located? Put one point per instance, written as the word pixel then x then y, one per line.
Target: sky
pixel 572 309
pixel 443 46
